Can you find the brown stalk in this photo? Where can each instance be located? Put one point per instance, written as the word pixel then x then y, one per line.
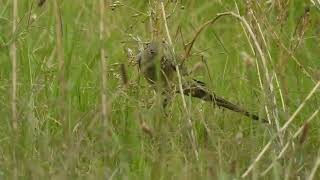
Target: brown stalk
pixel 146 128
pixel 124 74
pixel 202 27
pixel 304 134
pixel 61 66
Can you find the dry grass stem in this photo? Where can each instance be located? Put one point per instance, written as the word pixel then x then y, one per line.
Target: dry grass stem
pixel 88 89
pixel 300 107
pixel 61 67
pixel 285 147
pixel 14 68
pixel 314 169
pixel 193 138
pixel 256 63
pixel 281 130
pixel 103 64
pixel 146 128
pixel 124 74
pixel 271 88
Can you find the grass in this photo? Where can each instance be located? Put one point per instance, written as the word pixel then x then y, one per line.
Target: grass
pixel 63 134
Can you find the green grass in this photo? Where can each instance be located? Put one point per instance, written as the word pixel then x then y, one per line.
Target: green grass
pixel 41 148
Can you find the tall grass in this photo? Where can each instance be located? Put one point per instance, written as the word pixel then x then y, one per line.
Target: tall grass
pixel 68 81
pixel 14 111
pixel 103 64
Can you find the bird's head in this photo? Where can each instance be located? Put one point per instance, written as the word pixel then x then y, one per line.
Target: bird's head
pixel 152 50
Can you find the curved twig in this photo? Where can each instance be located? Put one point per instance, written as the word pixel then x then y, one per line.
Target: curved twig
pixel 210 22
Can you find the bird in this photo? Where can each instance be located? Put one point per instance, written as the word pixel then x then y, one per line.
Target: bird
pixel 157 65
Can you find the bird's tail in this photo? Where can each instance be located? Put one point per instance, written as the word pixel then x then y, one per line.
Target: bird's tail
pixel 197 89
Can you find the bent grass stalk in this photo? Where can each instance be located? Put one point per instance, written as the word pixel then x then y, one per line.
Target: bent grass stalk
pixel 281 130
pixel 286 146
pixel 193 138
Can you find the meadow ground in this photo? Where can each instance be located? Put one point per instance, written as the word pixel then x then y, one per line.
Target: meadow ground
pixel 263 56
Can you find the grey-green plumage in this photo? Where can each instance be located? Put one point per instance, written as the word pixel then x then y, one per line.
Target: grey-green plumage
pixel 157 65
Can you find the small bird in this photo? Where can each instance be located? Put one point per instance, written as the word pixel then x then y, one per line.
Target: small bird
pixel 156 63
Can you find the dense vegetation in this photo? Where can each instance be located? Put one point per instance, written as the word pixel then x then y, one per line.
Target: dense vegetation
pixel 263 56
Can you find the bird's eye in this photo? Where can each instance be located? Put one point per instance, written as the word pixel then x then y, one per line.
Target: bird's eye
pixel 146 46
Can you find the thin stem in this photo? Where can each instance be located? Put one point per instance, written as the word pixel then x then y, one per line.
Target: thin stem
pixel 14 90
pixel 14 68
pixel 61 72
pixel 314 169
pixel 103 65
pixel 281 130
pixel 296 134
pixel 193 139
